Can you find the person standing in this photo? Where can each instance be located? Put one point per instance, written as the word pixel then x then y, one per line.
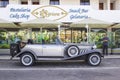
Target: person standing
pixel 105 41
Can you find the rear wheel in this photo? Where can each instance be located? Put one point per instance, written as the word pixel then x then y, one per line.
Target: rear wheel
pixel 94 59
pixel 72 51
pixel 27 59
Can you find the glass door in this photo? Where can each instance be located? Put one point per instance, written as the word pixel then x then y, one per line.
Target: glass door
pixel 96 35
pixel 116 38
pixel 68 35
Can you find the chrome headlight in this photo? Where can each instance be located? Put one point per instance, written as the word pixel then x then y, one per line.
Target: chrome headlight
pixel 94 47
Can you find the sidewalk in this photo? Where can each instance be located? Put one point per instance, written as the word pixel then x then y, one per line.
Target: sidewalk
pixel 7 57
pixel 112 56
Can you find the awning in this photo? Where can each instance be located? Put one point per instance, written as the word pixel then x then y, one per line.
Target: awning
pixel 7 24
pixel 116 25
pixel 93 23
pixel 40 22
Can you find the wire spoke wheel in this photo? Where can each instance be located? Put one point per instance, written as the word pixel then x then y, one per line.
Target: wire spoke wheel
pixel 72 51
pixel 27 59
pixel 94 59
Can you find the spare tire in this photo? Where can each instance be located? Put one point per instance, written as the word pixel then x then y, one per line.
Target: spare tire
pixel 72 51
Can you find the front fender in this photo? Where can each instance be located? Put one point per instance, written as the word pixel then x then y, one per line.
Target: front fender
pixel 99 52
pixel 90 51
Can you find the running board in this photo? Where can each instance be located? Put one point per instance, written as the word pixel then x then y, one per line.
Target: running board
pixel 50 59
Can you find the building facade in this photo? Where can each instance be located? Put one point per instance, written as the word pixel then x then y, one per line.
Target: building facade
pixel 96 4
pixel 95 18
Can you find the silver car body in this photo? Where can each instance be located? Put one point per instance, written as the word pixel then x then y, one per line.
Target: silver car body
pixel 45 49
pixel 56 50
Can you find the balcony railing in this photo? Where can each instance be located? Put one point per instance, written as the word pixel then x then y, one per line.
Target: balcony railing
pixel 4 3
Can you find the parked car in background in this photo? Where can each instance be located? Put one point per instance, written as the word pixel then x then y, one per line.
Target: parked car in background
pixel 55 50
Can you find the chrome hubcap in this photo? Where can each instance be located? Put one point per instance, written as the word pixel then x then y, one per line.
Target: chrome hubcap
pixel 73 51
pixel 27 59
pixel 94 59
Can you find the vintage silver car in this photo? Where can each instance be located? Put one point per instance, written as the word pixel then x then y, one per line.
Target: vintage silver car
pixel 54 51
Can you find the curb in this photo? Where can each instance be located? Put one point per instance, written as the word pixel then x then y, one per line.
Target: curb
pixel 112 56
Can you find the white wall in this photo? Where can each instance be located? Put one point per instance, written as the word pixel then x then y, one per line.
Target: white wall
pixel 69 2
pixel 117 4
pixel 94 4
pixel 14 1
pixel 44 2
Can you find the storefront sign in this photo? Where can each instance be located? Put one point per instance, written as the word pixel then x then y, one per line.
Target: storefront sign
pixel 22 13
pixel 58 13
pixel 79 13
pixel 19 13
pixel 52 12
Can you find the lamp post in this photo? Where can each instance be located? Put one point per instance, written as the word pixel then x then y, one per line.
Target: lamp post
pixel 87 27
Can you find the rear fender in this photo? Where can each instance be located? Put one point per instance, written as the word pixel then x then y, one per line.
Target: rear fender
pixel 27 51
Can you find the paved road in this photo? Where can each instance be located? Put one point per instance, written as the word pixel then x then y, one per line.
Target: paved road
pixel 61 74
pixel 4 64
pixel 108 70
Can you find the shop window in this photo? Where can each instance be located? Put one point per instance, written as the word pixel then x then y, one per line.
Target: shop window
pixel 24 2
pixel 68 35
pixel 47 36
pixel 96 35
pixel 35 3
pixel 116 38
pixel 54 2
pixel 100 6
pixel 75 35
pixel 111 6
pixel 84 2
pixel 7 36
pixel 4 3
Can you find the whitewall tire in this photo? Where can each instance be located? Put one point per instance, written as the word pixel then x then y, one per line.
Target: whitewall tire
pixel 94 59
pixel 27 59
pixel 72 51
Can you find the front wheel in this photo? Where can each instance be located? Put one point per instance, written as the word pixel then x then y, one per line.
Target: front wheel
pixel 94 59
pixel 27 59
